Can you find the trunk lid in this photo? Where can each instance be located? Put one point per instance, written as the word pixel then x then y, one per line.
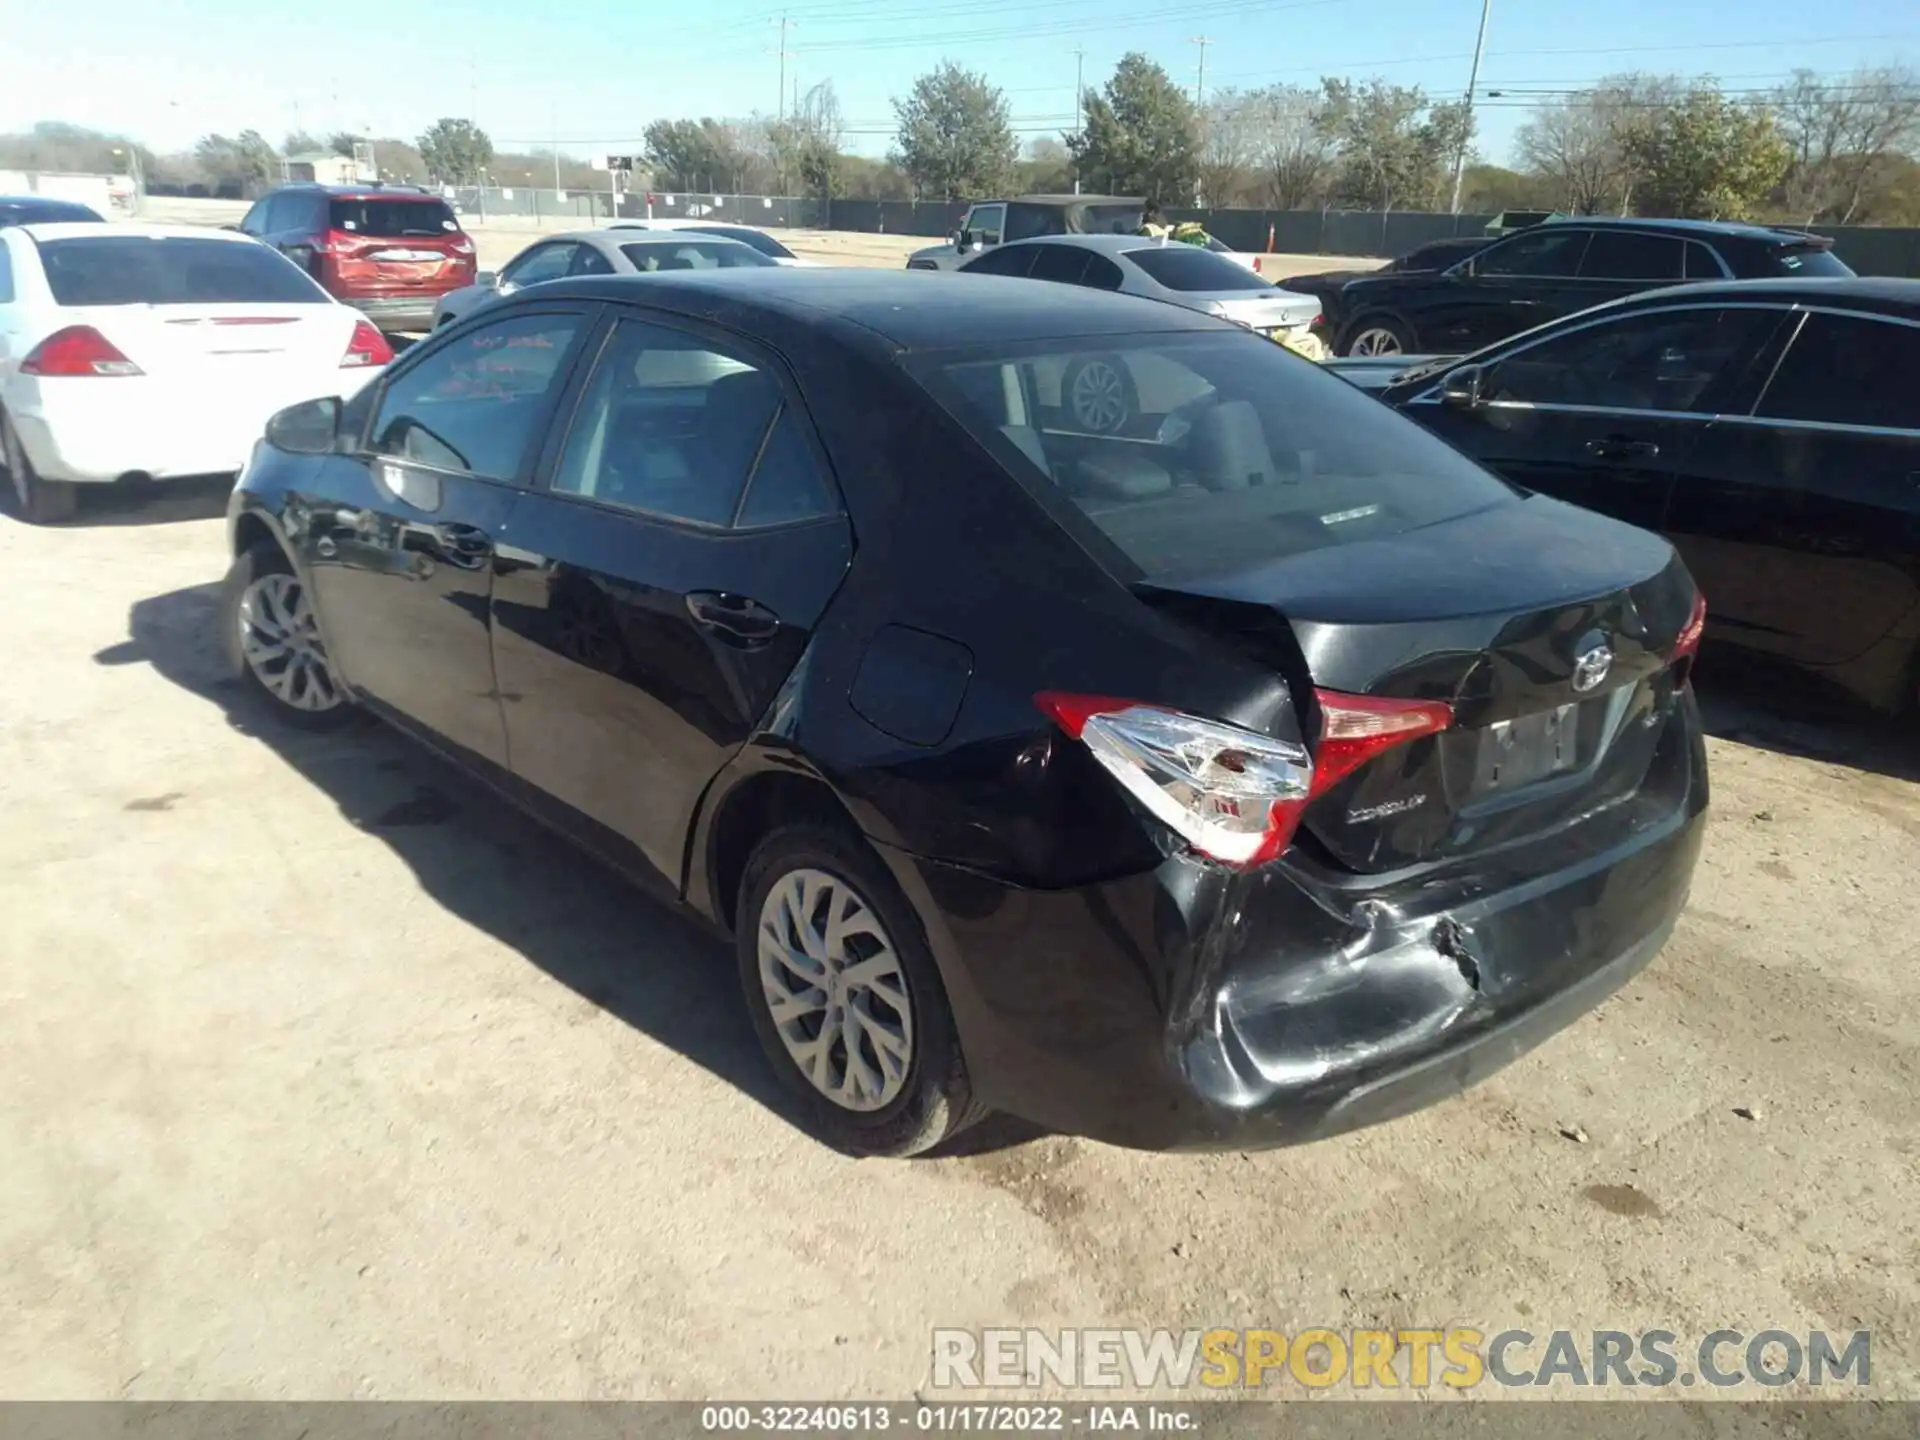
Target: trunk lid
pixel 1548 630
pixel 243 346
pixel 1268 310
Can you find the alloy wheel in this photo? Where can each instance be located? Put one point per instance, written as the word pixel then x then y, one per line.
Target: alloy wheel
pixel 281 645
pixel 1099 397
pixel 1376 340
pixel 835 989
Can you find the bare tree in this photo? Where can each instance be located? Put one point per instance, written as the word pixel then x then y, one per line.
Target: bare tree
pixel 1292 148
pixel 1839 130
pixel 1229 147
pixel 1575 144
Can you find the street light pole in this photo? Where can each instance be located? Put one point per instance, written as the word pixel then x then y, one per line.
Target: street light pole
pixel 1079 106
pixel 1473 79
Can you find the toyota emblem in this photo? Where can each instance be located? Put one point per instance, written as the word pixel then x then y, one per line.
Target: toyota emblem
pixel 1591 665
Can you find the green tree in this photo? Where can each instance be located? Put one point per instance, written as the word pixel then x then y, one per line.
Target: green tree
pixel 703 154
pixel 1140 137
pixel 1046 168
pixel 1396 148
pixel 1705 157
pixel 955 140
pixel 245 159
pixel 301 142
pixel 455 151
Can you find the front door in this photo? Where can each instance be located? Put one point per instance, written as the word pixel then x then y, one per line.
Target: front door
pixel 401 555
pixel 1607 414
pixel 1509 287
pixel 662 582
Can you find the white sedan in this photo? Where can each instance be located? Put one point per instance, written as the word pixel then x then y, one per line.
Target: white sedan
pixel 745 234
pixel 148 352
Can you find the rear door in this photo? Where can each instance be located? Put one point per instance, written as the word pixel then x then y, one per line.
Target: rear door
pixel 400 538
pixel 1805 534
pixel 1624 262
pixel 661 585
pixel 1606 414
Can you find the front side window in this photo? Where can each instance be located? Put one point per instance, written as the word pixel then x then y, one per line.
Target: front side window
pixel 986 222
pixel 543 262
pixel 1847 370
pixel 477 404
pixel 670 425
pixel 1546 253
pixel 1197 453
pixel 1657 360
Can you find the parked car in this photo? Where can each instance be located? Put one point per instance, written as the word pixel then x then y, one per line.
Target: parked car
pixel 745 234
pixel 1555 269
pixel 993 222
pixel 611 250
pixel 1325 285
pixel 41 210
pixel 1172 273
pixel 146 352
pixel 1769 428
pixel 813 606
pixel 389 251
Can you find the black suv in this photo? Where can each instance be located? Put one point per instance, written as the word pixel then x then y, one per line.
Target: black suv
pixel 1555 269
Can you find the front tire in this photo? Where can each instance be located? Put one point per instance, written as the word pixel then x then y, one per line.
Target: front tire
pixel 37 501
pixel 273 641
pixel 845 997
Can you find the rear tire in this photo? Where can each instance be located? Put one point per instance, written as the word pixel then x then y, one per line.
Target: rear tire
pixel 1378 335
pixel 824 936
pixel 273 641
pixel 37 501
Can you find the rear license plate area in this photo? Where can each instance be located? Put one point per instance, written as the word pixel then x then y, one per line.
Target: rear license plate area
pixel 1531 748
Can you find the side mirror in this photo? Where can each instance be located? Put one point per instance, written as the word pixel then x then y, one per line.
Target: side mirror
pixel 487 280
pixel 1465 388
pixel 310 428
pixel 967 241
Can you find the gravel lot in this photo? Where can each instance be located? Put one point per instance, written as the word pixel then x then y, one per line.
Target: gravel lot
pixel 324 1075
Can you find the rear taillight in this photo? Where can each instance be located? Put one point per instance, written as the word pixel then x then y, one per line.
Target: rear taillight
pixel 77 350
pixel 461 245
pixel 1686 644
pixel 1319 322
pixel 367 347
pixel 1234 795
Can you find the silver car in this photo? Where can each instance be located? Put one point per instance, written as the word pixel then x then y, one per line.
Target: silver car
pixel 1169 271
pixel 598 252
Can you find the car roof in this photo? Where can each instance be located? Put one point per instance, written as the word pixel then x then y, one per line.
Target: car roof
pixel 1868 292
pixel 907 309
pixel 1073 200
pixel 1770 234
pixel 627 235
pixel 362 191
pixel 90 229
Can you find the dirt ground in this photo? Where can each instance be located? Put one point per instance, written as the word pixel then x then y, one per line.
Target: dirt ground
pixel 323 1075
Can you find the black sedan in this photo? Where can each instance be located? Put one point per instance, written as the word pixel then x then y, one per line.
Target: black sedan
pixel 1555 269
pixel 1256 771
pixel 1770 429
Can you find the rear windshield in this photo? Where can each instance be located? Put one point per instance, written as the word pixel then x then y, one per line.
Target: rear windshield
pixel 765 244
pixel 693 255
pixel 43 212
pixel 390 219
pixel 141 270
pixel 1812 260
pixel 1199 453
pixel 1188 267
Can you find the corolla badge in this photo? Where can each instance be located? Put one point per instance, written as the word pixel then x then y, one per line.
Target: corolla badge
pixel 1591 664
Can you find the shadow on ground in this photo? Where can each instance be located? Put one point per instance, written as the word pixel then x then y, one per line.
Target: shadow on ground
pixel 642 961
pixel 1753 700
pixel 168 502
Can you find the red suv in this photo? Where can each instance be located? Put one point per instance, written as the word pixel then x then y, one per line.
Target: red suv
pixel 388 251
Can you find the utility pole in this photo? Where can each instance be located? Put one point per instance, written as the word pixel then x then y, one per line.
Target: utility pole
pixel 1079 106
pixel 553 118
pixel 1473 79
pixel 781 98
pixel 1200 89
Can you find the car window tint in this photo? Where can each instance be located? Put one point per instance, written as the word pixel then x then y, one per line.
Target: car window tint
pixel 1190 269
pixel 1024 222
pixel 1807 262
pixel 1007 260
pixel 1064 264
pixel 173 270
pixel 1544 253
pixel 1662 360
pixel 987 221
pixel 787 484
pixel 543 262
pixel 669 424
pixel 587 260
pixel 1234 453
pixel 1631 255
pixel 693 255
pixel 391 219
pixel 1101 273
pixel 746 235
pixel 1702 263
pixel 477 403
pixel 1848 370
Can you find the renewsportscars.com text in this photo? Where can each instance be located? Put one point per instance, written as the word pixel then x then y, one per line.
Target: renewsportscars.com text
pixel 1456 1357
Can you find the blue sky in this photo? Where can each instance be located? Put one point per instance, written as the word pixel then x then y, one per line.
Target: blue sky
pixel 593 74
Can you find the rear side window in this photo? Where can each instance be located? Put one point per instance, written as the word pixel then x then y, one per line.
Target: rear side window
pixel 1024 222
pixel 693 255
pixel 1809 260
pixel 1196 453
pixel 1189 268
pixel 1848 370
pixel 1112 220
pixel 173 270
pixel 476 404
pixel 1007 260
pixel 787 483
pixel 1630 255
pixel 1063 264
pixel 391 219
pixel 1658 360
pixel 1102 274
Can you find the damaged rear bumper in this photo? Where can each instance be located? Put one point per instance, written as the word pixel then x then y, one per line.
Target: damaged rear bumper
pixel 1195 1007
